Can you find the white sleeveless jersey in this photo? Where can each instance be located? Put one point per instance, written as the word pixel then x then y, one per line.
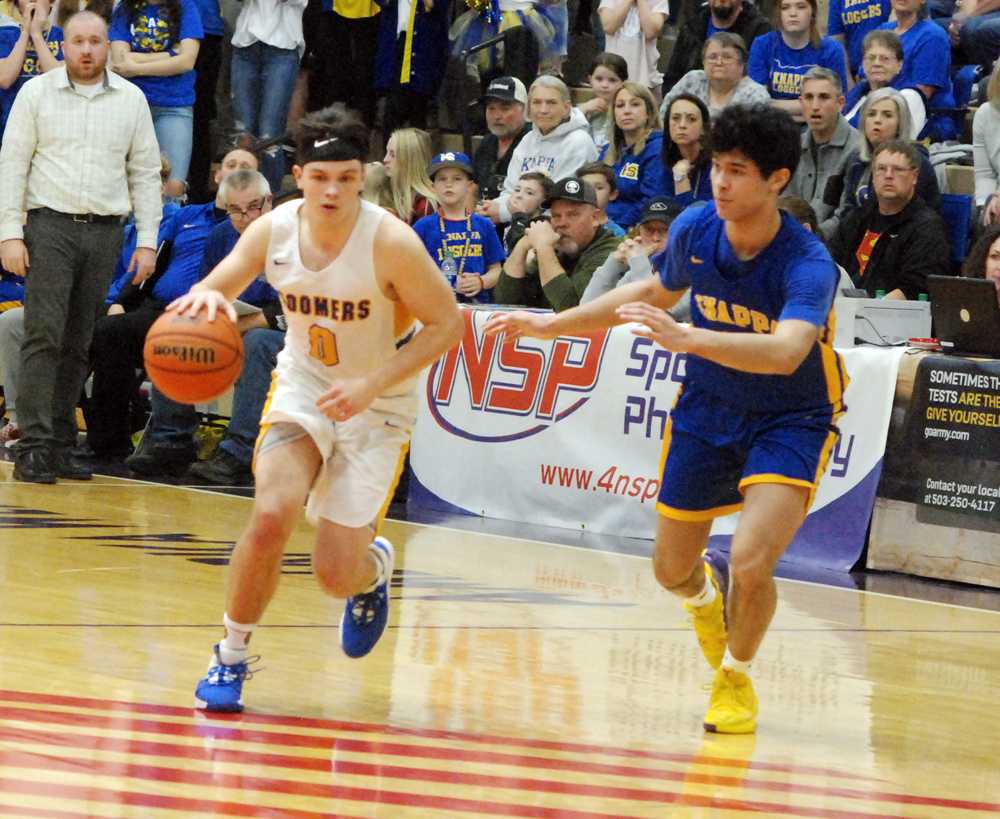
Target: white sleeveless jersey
pixel 340 325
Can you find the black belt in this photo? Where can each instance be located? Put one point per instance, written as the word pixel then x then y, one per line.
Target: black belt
pixel 88 218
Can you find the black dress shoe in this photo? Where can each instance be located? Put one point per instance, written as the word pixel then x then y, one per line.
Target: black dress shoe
pixel 154 460
pixel 33 466
pixel 222 469
pixel 67 466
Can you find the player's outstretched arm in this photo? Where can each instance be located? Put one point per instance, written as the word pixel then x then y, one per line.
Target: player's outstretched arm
pixel 594 315
pixel 231 276
pixel 780 353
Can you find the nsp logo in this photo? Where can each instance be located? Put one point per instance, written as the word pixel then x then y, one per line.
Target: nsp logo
pixel 533 383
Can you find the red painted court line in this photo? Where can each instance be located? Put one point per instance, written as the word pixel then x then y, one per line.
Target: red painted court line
pixel 8 811
pixel 408 750
pixel 361 746
pixel 99 742
pixel 366 796
pixel 194 807
pixel 521 785
pixel 123 706
pixel 525 787
pixel 483 757
pixel 576 790
pixel 210 755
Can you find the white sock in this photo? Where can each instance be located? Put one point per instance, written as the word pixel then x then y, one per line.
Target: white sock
pixel 705 596
pixel 233 647
pixel 729 661
pixel 380 567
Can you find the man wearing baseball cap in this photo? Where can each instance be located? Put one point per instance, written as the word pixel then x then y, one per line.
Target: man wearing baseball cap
pixel 632 259
pixel 567 251
pixel 505 102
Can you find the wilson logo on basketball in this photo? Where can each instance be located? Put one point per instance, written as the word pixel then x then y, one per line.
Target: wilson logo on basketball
pixel 516 389
pixel 186 354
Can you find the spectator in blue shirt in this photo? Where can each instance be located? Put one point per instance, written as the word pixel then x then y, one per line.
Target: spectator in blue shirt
pixel 687 151
pixel 848 21
pixel 463 244
pixel 27 49
pixel 780 58
pixel 883 67
pixel 926 53
pixel 116 350
pixel 155 44
pixel 168 445
pixel 636 141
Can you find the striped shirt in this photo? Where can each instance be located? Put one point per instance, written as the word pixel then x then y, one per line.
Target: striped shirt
pixel 79 153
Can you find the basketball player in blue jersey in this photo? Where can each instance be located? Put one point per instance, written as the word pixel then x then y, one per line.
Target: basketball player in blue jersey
pixel 755 420
pixel 354 280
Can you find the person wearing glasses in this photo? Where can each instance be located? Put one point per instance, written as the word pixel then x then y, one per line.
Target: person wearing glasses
pixel 883 66
pixel 894 241
pixel 168 446
pixel 722 80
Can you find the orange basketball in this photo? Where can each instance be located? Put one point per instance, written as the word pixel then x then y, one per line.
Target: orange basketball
pixel 192 360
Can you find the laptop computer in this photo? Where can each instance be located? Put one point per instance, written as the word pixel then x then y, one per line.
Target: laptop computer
pixel 966 315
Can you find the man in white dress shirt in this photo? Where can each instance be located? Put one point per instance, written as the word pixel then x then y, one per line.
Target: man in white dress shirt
pixel 78 154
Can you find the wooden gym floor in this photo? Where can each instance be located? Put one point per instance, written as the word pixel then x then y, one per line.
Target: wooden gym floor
pixel 517 678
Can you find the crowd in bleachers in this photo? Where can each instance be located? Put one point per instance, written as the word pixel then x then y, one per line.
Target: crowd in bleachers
pixel 569 191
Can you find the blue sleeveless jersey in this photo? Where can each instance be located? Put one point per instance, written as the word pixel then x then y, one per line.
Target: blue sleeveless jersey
pixel 792 278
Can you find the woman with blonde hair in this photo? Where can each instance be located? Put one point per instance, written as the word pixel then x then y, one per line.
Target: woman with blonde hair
pixel 635 140
pixel 884 116
pixel 407 190
pixel 986 151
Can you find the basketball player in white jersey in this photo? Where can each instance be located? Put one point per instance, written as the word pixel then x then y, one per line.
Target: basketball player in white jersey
pixel 354 281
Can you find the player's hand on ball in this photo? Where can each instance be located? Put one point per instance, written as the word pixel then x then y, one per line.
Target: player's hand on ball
pixel 192 303
pixel 346 398
pixel 520 323
pixel 656 325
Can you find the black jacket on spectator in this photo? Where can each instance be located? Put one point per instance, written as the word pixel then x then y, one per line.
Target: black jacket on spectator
pixel 858 184
pixel 913 244
pixel 686 55
pixel 490 170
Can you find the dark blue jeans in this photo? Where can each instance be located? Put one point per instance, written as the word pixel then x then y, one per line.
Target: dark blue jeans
pixel 263 79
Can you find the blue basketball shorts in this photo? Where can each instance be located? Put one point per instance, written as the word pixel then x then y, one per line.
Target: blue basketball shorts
pixel 712 451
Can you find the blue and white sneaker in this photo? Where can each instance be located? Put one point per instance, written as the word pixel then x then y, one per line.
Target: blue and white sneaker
pixel 366 614
pixel 221 689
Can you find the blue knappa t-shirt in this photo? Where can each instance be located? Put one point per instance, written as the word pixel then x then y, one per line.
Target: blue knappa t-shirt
pixel 780 68
pixel 484 245
pixel 149 33
pixel 31 67
pixel 792 278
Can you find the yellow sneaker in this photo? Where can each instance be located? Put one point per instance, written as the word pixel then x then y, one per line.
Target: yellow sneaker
pixel 733 707
pixel 710 621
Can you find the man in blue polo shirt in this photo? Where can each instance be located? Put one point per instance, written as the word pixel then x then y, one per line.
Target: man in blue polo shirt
pixel 168 446
pixel 116 350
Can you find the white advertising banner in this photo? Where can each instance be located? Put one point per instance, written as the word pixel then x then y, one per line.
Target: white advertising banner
pixel 568 432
